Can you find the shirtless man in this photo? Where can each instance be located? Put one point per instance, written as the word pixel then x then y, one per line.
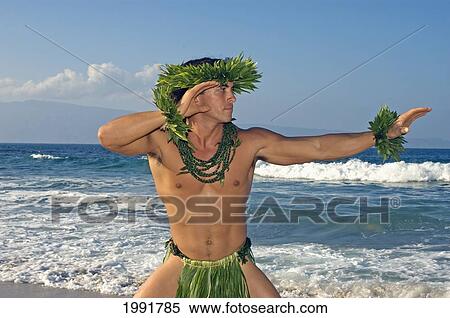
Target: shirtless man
pixel 208 106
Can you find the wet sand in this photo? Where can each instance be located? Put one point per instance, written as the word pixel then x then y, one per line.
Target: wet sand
pixel 15 290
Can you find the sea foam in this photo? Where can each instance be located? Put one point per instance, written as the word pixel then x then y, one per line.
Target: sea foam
pixel 358 170
pixel 45 156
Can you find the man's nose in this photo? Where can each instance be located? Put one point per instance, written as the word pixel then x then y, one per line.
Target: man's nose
pixel 231 98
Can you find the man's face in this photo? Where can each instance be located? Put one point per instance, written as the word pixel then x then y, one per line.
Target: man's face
pixel 220 100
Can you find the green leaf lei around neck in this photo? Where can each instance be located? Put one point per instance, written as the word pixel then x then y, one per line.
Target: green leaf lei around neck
pixel 380 126
pixel 242 72
pixel 221 160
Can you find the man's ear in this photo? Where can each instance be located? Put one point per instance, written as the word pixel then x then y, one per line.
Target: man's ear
pixel 198 101
pixel 201 104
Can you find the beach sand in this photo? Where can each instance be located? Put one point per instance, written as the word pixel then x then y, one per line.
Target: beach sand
pixel 14 290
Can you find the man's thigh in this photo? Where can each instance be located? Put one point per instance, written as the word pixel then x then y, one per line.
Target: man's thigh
pixel 258 283
pixel 163 282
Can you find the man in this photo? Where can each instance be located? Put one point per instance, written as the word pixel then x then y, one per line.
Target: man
pixel 208 107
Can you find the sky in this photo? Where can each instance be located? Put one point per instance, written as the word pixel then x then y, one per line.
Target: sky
pixel 299 46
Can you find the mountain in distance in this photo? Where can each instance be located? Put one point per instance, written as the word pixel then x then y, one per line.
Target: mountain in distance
pixel 36 121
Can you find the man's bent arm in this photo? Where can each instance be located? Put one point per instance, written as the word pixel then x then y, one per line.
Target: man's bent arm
pixel 129 131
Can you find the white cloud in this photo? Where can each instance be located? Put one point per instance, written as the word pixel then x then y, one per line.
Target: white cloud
pixel 148 73
pixel 6 82
pixel 93 87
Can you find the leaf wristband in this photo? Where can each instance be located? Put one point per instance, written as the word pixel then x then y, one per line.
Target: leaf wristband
pixel 386 147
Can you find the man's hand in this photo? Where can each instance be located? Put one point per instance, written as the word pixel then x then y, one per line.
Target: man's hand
pixel 401 125
pixel 187 107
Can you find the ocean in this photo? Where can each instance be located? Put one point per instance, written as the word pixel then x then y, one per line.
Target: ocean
pixel 407 255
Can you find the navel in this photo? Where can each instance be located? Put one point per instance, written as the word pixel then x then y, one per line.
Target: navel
pixel 236 183
pixel 209 242
pixel 178 185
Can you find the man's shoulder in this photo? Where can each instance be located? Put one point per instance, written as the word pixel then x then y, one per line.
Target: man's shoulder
pixel 258 137
pixel 256 132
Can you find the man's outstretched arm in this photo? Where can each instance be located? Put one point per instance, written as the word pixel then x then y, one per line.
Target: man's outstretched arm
pixel 281 150
pixel 278 149
pixel 342 145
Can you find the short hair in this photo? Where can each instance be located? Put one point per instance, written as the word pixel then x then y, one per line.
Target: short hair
pixel 178 93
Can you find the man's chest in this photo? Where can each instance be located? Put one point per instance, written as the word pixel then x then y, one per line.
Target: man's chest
pixel 168 180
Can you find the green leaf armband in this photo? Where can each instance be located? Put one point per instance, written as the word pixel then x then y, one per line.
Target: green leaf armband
pixel 386 147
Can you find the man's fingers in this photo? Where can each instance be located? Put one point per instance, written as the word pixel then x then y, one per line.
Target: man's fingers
pixel 417 116
pixel 199 88
pixel 206 85
pixel 203 85
pixel 406 119
pixel 414 117
pixel 209 83
pixel 420 115
pixel 414 111
pixel 419 110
